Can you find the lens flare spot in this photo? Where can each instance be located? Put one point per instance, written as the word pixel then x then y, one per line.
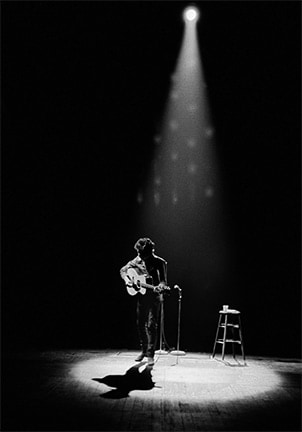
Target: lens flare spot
pixel 157 139
pixel 192 168
pixel 192 108
pixel 173 125
pixel 174 95
pixel 191 142
pixel 157 198
pixel 209 192
pixel 174 198
pixel 140 198
pixel 157 181
pixel 209 132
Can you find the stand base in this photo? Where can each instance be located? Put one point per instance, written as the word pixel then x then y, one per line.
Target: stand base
pixel 161 352
pixel 177 352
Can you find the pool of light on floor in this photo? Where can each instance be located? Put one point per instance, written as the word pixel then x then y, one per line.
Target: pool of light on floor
pixel 206 379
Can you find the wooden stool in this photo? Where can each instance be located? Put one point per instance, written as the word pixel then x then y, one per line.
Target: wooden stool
pixel 229 319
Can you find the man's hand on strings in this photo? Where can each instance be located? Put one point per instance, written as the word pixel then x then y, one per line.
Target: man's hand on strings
pixel 130 283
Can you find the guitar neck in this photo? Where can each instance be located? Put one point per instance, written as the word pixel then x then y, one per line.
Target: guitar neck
pixel 145 285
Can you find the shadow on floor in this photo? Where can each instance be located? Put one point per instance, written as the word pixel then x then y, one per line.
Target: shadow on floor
pixel 133 379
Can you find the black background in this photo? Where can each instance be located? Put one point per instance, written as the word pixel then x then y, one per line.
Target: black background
pixel 83 89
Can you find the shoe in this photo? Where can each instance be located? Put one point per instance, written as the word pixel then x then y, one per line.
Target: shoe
pixel 140 357
pixel 150 361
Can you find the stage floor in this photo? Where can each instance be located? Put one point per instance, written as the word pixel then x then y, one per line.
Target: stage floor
pixel 107 390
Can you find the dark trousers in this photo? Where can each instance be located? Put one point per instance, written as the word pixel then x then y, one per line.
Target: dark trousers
pixel 147 319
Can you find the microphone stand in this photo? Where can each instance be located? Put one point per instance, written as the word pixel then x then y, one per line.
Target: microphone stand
pixel 161 332
pixel 178 352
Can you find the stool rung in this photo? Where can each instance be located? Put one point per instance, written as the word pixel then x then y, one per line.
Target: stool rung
pixel 229 340
pixel 230 325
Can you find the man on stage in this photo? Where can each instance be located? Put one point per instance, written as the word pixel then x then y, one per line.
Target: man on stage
pixel 154 269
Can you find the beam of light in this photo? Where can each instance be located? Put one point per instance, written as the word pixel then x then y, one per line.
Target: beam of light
pixel 185 208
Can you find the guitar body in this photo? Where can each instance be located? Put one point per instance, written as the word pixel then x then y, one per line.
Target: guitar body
pixel 137 284
pixel 138 281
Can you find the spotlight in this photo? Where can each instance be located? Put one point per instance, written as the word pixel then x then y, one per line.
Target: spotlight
pixel 191 14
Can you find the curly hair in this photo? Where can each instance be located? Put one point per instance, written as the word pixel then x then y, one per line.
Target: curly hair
pixel 144 244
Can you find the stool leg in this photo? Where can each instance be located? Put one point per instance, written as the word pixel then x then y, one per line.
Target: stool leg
pixel 216 337
pixel 233 344
pixel 224 335
pixel 241 339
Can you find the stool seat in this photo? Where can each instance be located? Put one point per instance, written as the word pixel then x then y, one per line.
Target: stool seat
pixel 230 311
pixel 229 320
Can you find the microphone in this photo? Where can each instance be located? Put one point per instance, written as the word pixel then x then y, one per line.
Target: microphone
pixel 177 287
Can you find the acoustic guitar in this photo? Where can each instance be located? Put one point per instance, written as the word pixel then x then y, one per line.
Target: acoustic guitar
pixel 137 284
